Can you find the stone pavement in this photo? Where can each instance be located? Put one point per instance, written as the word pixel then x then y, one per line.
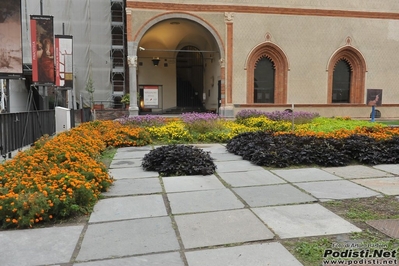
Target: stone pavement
pixel 235 217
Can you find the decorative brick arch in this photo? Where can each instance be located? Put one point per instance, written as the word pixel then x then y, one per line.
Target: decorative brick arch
pixel 358 69
pixel 280 62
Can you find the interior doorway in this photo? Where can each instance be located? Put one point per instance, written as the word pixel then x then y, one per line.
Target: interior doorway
pixel 189 78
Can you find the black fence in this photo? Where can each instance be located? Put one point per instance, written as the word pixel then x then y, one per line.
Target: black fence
pixel 18 130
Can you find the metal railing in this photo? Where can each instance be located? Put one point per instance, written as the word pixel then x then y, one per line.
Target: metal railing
pixel 18 130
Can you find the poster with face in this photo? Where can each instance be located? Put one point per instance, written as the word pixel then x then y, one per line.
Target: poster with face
pixel 10 38
pixel 42 44
pixel 63 61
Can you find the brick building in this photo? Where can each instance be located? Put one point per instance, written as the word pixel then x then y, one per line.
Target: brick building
pixel 226 55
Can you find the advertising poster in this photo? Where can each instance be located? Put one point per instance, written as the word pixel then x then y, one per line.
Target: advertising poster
pixel 10 38
pixel 63 61
pixel 42 43
pixel 374 97
pixel 151 96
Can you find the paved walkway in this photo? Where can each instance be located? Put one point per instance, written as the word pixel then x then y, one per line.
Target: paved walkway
pixel 235 217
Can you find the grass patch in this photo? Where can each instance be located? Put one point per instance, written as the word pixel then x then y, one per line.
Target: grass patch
pixel 309 252
pixel 107 156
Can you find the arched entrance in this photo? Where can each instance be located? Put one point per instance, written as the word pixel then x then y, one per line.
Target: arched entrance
pixel 189 78
pixel 188 71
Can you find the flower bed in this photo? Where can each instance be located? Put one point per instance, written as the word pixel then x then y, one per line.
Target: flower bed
pixel 61 176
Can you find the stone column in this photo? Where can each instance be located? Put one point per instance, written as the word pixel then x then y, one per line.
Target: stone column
pixel 132 61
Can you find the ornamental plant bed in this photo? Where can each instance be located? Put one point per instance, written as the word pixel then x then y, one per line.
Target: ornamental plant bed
pixel 283 150
pixel 61 177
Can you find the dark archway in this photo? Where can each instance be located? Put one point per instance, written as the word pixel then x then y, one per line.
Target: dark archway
pixel 189 78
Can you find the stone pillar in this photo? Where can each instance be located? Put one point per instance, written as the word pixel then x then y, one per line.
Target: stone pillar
pixel 132 61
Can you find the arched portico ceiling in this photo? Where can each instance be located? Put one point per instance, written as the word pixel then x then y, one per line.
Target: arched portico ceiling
pixel 167 36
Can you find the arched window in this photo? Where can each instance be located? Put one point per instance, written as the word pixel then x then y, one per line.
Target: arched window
pixel 341 82
pixel 264 74
pixel 267 72
pixel 346 76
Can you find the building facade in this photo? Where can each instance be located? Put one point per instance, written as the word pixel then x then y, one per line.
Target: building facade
pixel 331 57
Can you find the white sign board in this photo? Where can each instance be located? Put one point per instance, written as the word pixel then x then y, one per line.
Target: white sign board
pixel 151 96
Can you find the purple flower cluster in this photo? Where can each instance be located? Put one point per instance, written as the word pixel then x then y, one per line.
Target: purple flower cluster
pixel 194 117
pixel 299 117
pixel 144 120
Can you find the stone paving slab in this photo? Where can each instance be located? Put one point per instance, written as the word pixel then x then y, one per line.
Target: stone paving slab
pixel 304 220
pixel 355 171
pixel 390 168
pixel 212 148
pixel 272 195
pixel 305 175
pixel 219 228
pixel 340 189
pixel 388 185
pixel 127 238
pixel 251 178
pixel 125 163
pixel 236 166
pixel 273 254
pixel 167 259
pixel 389 227
pixel 128 187
pixel 222 157
pixel 134 149
pixel 191 183
pixel 123 208
pixel 134 172
pixel 204 201
pixel 25 247
pixel 130 155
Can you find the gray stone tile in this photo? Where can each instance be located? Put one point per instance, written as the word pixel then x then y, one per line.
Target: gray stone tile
pixel 25 247
pixel 355 171
pixel 127 238
pixel 127 187
pixel 204 201
pixel 218 228
pixel 167 259
pixel 305 175
pixel 129 163
pixel 236 166
pixel 221 157
pixel 390 168
pixel 134 172
pixel 248 255
pixel 272 195
pixel 134 149
pixel 212 148
pixel 122 208
pixel 304 220
pixel 340 189
pixel 130 154
pixel 191 183
pixel 251 178
pixel 387 185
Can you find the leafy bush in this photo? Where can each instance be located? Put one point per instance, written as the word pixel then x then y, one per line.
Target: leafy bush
pixel 171 133
pixel 282 150
pixel 201 122
pixel 264 123
pixel 300 117
pixel 177 160
pixel 146 120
